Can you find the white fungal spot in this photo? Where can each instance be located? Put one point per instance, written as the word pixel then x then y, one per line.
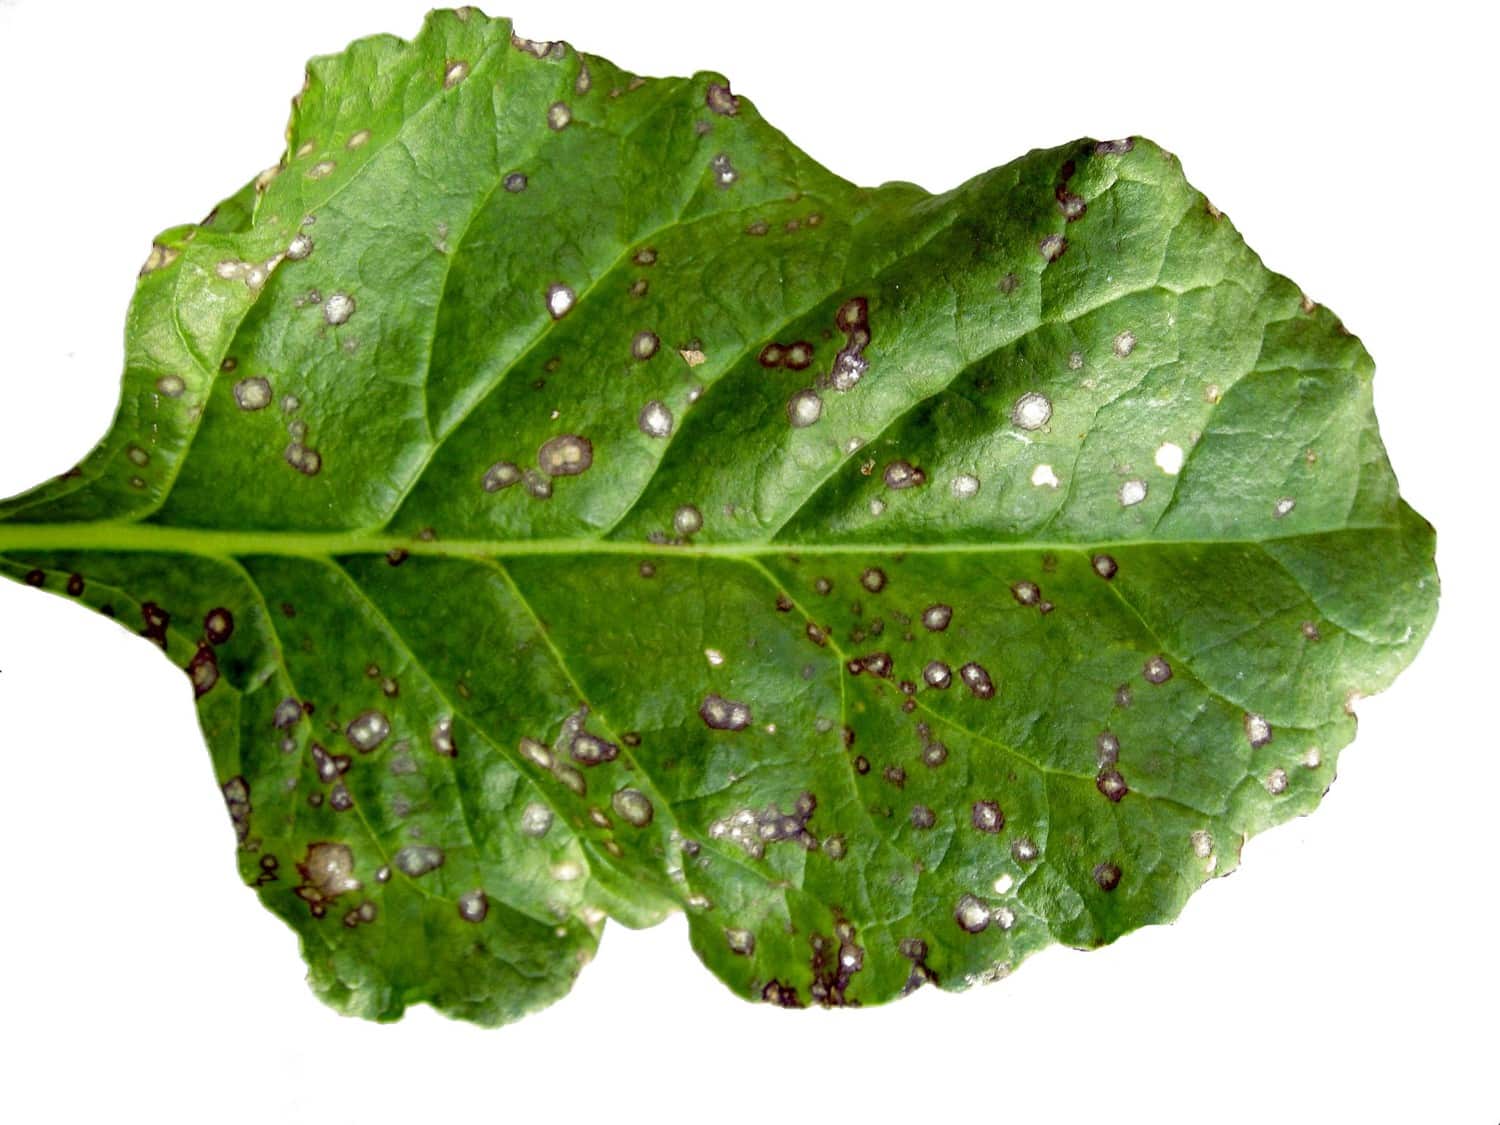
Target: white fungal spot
pixel 515 182
pixel 1026 593
pixel 644 345
pixel 502 474
pixel 1003 917
pixel 1112 784
pixel 1105 566
pixel 687 520
pixel 1157 670
pixel 804 408
pixel 965 486
pixel 935 618
pixel 1024 851
pixel 972 915
pixel 1169 458
pixel 1212 393
pixel 357 139
pixel 1132 492
pixel 1053 247
pixel 723 169
pixel 300 247
pixel 308 462
pixel 741 942
pixel 559 116
pixel 721 100
pixel 1107 748
pixel 1124 343
pixel 253 394
pixel 231 270
pixel 1031 411
pixel 536 819
pixel 1003 884
pixel 567 871
pixel 903 474
pixel 1283 507
pixel 937 675
pixel 714 656
pixel 977 678
pixel 1257 730
pixel 719 713
pixel 329 870
pixel 1313 758
pixel 1043 477
pixel 560 299
pixel 457 70
pixel 1203 844
pixel 987 817
pixel 442 737
pixel 877 506
pixel 848 369
pixel 655 419
pixel 288 713
pixel 417 860
pixel 633 807
pixel 368 730
pixel 338 308
pixel 171 385
pixel 321 170
pixel 536 753
pixel 473 906
pixel 1276 782
pixel 1075 361
pixel 565 455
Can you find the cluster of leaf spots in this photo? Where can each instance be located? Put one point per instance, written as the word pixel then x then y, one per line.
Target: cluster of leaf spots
pixel 568 501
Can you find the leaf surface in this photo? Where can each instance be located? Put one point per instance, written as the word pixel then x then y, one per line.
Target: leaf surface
pixel 570 501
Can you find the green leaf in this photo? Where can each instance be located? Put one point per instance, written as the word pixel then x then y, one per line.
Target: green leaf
pixel 569 501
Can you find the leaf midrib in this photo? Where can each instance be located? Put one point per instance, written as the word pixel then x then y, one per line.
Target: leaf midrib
pixel 219 543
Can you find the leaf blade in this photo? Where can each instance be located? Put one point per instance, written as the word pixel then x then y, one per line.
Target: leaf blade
pixel 707 660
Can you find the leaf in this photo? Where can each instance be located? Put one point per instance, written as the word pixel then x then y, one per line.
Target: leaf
pixel 568 501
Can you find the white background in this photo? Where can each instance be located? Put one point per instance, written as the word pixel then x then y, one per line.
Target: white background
pixel 1347 973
